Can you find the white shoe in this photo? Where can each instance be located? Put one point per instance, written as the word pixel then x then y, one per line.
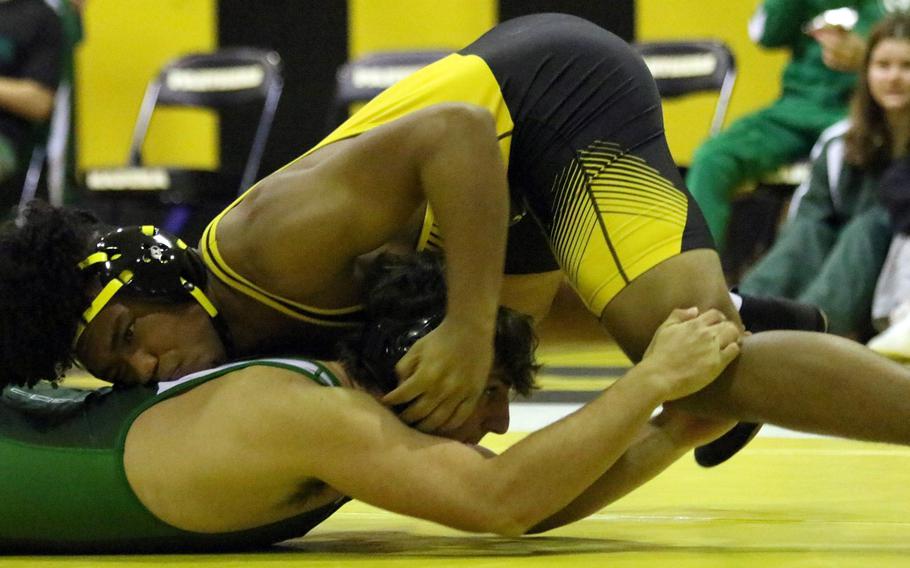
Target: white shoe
pixel 894 342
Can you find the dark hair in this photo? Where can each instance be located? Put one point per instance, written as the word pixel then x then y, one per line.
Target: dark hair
pixel 868 142
pixel 42 290
pixel 402 294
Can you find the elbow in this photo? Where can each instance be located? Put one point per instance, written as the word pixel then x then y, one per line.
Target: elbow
pixel 494 517
pixel 506 526
pixel 509 514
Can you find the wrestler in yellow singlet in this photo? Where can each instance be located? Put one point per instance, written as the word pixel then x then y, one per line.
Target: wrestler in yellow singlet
pixel 593 186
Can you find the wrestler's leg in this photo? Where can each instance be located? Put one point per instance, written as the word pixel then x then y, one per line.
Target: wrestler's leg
pixel 805 381
pixel 693 278
pixel 589 147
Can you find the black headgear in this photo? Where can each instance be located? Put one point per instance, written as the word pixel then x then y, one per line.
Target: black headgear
pixel 386 341
pixel 149 263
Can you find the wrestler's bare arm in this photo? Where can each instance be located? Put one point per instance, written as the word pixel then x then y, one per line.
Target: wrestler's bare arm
pixel 300 232
pixel 249 441
pixel 666 438
pixel 304 226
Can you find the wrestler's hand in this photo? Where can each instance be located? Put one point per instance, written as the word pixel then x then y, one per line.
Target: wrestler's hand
pixel 841 50
pixel 689 350
pixel 443 377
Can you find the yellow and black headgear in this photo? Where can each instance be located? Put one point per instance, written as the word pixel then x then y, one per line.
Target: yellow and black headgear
pixel 149 263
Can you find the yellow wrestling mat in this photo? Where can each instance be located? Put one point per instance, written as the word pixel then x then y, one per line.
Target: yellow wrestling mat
pixel 782 502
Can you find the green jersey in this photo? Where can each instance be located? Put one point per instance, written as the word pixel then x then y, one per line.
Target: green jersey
pixel 63 487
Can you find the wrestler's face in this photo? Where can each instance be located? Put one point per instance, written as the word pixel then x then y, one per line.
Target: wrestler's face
pixel 490 415
pixel 889 75
pixel 137 342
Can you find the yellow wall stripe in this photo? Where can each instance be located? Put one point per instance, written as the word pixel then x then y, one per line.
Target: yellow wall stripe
pixel 126 43
pixel 381 25
pixel 758 80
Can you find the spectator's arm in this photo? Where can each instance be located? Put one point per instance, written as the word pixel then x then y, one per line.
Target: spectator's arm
pixel 26 98
pixel 841 50
pixel 778 23
pixel 30 93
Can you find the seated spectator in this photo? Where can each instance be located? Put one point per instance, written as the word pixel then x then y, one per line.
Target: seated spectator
pixel 815 91
pixel 832 249
pixel 30 52
pixel 891 302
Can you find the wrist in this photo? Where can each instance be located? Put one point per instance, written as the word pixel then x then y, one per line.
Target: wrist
pixel 480 321
pixel 654 378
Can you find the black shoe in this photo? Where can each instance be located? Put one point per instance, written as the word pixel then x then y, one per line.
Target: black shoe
pixel 720 450
pixel 761 314
pixel 765 314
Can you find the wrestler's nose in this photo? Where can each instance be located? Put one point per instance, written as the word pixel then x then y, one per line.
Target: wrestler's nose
pixel 143 366
pixel 497 421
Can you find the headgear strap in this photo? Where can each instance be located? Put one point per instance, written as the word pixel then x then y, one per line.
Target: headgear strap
pixel 150 263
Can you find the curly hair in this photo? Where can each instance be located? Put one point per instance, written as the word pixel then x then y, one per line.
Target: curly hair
pixel 868 142
pixel 404 290
pixel 44 293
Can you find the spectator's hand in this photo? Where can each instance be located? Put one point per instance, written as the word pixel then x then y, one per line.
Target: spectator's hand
pixel 841 50
pixel 689 350
pixel 442 377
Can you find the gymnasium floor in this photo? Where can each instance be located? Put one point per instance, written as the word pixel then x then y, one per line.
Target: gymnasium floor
pixel 787 500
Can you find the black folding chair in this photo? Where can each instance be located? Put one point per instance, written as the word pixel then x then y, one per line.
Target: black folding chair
pixel 227 79
pixel 682 68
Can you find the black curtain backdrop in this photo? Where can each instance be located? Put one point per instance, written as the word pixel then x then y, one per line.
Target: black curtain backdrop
pixel 312 38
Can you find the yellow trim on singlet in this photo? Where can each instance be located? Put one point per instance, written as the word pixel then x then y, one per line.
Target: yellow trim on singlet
pixel 215 262
pixel 646 216
pixel 455 78
pixel 429 221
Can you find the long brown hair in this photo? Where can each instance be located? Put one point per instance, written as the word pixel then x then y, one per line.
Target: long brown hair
pixel 868 142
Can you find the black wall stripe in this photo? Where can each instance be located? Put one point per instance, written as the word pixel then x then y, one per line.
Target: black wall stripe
pixel 618 16
pixel 312 38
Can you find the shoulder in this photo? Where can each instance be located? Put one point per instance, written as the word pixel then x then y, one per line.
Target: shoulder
pixel 246 385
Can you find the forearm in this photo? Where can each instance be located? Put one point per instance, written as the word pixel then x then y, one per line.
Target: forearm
pixel 591 440
pixel 651 453
pixel 465 184
pixel 376 459
pixel 541 475
pixel 25 98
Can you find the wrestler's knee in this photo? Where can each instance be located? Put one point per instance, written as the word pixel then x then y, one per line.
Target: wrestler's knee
pixel 690 279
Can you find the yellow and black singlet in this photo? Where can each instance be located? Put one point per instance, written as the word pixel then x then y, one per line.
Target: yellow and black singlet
pixel 580 129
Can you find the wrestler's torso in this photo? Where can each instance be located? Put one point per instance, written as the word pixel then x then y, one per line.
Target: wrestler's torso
pixel 578 122
pixel 64 486
pixel 310 283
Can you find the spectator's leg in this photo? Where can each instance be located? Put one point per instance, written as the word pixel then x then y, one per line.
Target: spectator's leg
pixel 751 147
pixel 844 285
